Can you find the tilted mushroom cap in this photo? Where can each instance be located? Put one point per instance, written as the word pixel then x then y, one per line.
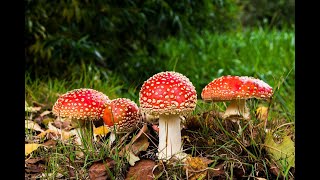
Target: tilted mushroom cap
pixel 230 87
pixel 81 104
pixel 167 93
pixel 123 113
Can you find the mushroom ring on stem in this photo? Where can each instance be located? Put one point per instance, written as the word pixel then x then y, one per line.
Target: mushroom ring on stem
pixel 81 105
pixel 236 89
pixel 121 115
pixel 168 95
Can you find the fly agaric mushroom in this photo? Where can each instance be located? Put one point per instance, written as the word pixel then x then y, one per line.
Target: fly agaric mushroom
pixel 168 95
pixel 121 115
pixel 81 105
pixel 236 89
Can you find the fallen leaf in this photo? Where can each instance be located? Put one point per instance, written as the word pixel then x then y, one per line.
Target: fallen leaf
pixel 45 113
pixel 29 148
pixel 141 144
pixel 58 133
pixel 34 168
pixel 282 153
pixel 132 158
pixel 34 165
pixel 218 170
pixel 138 143
pixel 100 131
pixel 51 176
pixel 63 125
pixel 28 108
pixel 274 169
pixel 155 128
pixel 142 170
pixel 50 143
pixel 34 160
pixel 46 121
pixel 32 125
pixel 262 113
pixel 100 170
pixel 196 167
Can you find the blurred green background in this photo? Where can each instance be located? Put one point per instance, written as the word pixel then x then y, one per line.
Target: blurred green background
pixel 114 46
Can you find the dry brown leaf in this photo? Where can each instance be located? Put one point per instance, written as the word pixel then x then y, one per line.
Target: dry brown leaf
pixel 137 144
pixel 99 170
pixel 218 170
pixel 29 148
pixel 50 143
pixel 34 165
pixel 141 144
pixel 32 125
pixel 34 160
pixel 155 128
pixel 63 125
pixel 34 168
pixel 57 133
pixel 142 170
pixel 274 169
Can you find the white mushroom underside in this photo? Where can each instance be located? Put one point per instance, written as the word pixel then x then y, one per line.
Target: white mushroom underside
pixel 237 108
pixel 169 136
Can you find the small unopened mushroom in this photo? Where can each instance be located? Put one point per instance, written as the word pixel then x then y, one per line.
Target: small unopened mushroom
pixel 168 95
pixel 81 105
pixel 121 115
pixel 236 89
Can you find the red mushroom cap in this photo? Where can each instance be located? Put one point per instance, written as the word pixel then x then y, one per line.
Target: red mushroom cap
pixel 123 113
pixel 230 87
pixel 81 104
pixel 167 93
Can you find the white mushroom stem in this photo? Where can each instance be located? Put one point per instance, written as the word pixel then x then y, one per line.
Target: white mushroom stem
pixel 237 107
pixel 112 138
pixel 169 136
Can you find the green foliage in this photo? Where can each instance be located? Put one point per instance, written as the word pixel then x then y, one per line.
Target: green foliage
pixel 270 13
pixel 62 34
pixel 265 54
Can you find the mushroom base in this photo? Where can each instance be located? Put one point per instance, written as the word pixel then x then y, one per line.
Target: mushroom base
pixel 169 136
pixel 237 108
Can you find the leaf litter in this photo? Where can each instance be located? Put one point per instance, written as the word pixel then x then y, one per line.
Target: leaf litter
pixel 196 166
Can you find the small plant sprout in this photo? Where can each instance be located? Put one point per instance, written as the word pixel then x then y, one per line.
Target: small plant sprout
pixel 236 89
pixel 168 95
pixel 121 115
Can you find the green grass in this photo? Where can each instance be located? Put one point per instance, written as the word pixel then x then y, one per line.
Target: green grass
pixel 265 54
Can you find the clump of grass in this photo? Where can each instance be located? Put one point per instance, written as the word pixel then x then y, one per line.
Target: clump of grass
pixel 241 150
pixel 267 54
pixel 45 90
